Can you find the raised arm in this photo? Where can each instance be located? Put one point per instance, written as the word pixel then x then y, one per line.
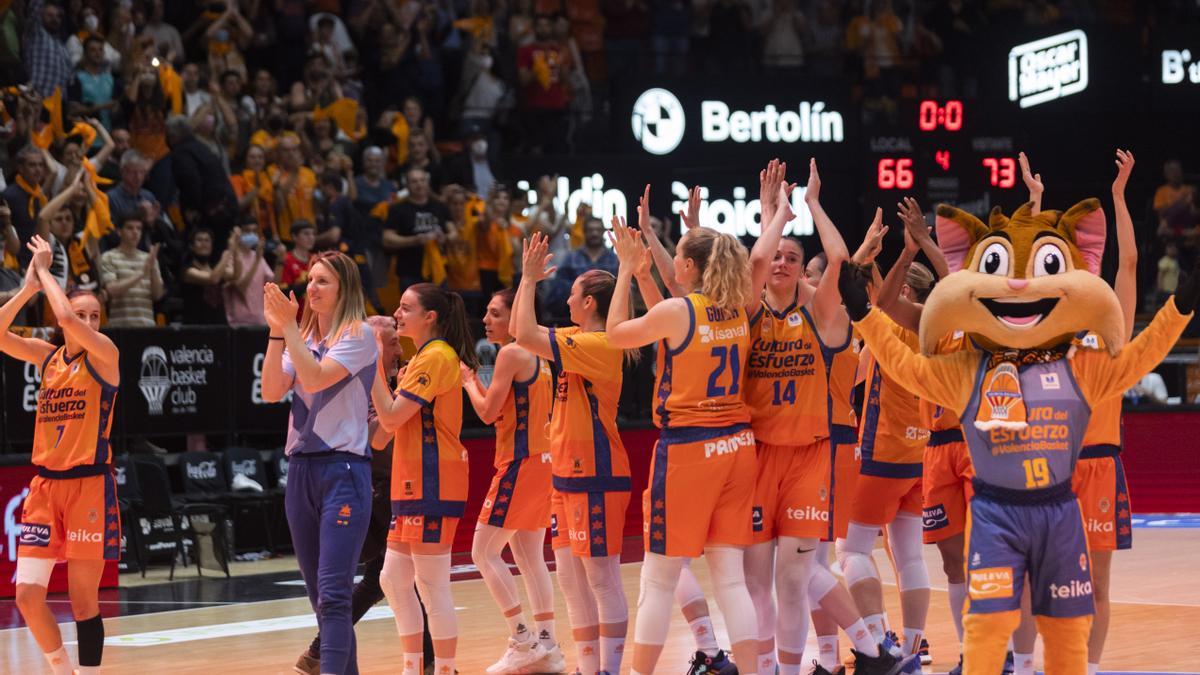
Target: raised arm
pixel 1127 254
pixel 30 350
pixel 1033 181
pixel 664 320
pixel 487 402
pixel 903 312
pixel 767 245
pixel 101 351
pixel 913 217
pixel 530 336
pixel 831 318
pixel 658 252
pixel 109 144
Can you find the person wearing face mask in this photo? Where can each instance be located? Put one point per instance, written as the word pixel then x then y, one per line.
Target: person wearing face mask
pixel 243 302
pixel 482 89
pixel 473 168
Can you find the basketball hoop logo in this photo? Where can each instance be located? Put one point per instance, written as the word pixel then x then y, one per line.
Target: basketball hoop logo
pixel 1003 391
pixel 155 380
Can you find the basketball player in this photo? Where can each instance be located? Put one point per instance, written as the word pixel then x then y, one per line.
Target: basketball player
pixel 590 468
pixel 516 510
pixel 71 510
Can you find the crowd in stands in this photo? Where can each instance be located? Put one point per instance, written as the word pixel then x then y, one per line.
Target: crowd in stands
pixel 180 154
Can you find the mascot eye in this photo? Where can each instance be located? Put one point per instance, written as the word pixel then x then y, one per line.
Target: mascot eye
pixel 994 260
pixel 1048 261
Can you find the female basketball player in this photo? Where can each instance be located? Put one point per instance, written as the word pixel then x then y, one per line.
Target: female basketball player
pixel 516 510
pixel 326 362
pixel 71 511
pixel 429 470
pixel 590 468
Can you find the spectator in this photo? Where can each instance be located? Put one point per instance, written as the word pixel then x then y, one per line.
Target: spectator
pixel 77 43
pixel 131 278
pixel 411 226
pixel 472 169
pixel 74 158
pixel 94 84
pixel 626 24
pixel 671 29
pixel 244 292
pixel 147 120
pixel 784 34
pixel 418 121
pixel 462 263
pixel 1175 201
pixel 255 191
pixel 44 51
pixel 482 91
pixel 203 304
pixel 374 192
pixel 56 224
pixel 25 197
pixel 194 96
pixel 593 255
pixel 494 248
pixel 128 199
pixel 294 185
pixel 1168 273
pixel 542 67
pixel 420 156
pixel 825 32
pixel 168 43
pixel 876 38
pixel 335 216
pixel 205 195
pixel 291 269
pixel 226 37
pixel 121 32
pixel 110 168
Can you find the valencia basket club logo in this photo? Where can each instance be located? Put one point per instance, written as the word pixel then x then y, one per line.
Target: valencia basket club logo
pixel 154 380
pixel 658 121
pixel 1003 392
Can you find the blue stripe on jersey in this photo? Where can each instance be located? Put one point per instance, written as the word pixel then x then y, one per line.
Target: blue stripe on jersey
pixel 554 349
pixel 597 519
pixel 658 499
pixel 504 495
pixel 431 529
pixel 664 385
pixel 431 484
pixel 112 519
pixel 520 392
pixel 108 398
pixel 599 437
pixel 428 507
pixel 592 483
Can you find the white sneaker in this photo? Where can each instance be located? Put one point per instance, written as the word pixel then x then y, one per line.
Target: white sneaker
pixel 518 656
pixel 242 482
pixel 552 662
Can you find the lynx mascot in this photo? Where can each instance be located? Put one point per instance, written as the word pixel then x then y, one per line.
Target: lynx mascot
pixel 1021 288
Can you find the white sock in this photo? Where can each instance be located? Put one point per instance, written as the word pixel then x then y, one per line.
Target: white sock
pixel 877 624
pixel 588 652
pixel 1022 664
pixel 612 649
pixel 60 661
pixel 912 640
pixel 766 663
pixel 1093 668
pixel 789 668
pixel 443 666
pixel 702 630
pixel 827 651
pixel 545 628
pixel 864 641
pixel 517 628
pixel 88 670
pixel 958 598
pixel 413 664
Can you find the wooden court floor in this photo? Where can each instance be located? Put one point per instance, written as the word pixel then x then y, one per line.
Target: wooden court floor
pixel 1156 607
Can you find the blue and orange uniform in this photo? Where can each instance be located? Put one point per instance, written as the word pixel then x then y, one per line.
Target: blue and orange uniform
pixel 892 444
pixel 1099 479
pixel 429 462
pixel 947 472
pixel 589 464
pixel 517 498
pixel 705 437
pixel 792 412
pixel 843 437
pixel 1024 518
pixel 71 511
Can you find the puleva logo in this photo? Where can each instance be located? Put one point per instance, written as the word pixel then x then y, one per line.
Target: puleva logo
pixel 990 582
pixel 658 121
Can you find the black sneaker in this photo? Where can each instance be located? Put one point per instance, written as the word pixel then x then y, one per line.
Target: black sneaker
pixel 923 652
pixel 1009 665
pixel 885 663
pixel 956 670
pixel 818 669
pixel 714 665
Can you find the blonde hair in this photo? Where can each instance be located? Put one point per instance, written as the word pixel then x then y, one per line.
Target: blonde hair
pixel 349 312
pixel 724 266
pixel 920 280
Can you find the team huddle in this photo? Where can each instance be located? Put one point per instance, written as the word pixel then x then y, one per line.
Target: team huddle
pixel 801 403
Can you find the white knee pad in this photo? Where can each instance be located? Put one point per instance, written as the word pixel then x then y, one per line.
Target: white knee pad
pixel 821 555
pixel 904 537
pixel 660 576
pixel 819 584
pixel 729 587
pixel 396 580
pixel 604 579
pixel 35 571
pixel 687 589
pixel 856 562
pixel 581 605
pixel 433 581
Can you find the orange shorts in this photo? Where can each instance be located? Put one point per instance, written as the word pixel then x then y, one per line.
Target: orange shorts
pixel 422 530
pixel 792 491
pixel 71 518
pixel 846 464
pixel 877 500
pixel 1099 484
pixel 701 490
pixel 595 522
pixel 946 487
pixel 559 536
pixel 518 498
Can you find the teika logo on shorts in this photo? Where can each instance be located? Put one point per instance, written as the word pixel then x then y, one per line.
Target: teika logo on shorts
pixel 726 446
pixel 1075 589
pixel 991 582
pixel 807 513
pixel 1105 526
pixel 84 536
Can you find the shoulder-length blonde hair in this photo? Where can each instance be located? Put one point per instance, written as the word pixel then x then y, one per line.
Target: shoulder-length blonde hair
pixel 724 266
pixel 349 312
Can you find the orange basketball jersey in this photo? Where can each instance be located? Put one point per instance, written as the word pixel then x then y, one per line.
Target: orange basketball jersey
pixel 787 386
pixel 522 427
pixel 585 448
pixel 74 414
pixel 892 437
pixel 1104 427
pixel 934 417
pixel 429 462
pixel 700 381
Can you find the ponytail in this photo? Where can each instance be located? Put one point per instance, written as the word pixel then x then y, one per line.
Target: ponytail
pixel 451 319
pixel 724 266
pixel 599 286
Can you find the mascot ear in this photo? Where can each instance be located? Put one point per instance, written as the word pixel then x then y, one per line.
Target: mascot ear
pixel 957 232
pixel 996 219
pixel 1085 225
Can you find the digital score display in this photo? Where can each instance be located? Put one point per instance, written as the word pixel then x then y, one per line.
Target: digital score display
pixel 940 151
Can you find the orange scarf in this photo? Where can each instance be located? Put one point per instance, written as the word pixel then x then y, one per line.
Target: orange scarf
pixel 36 196
pixel 259 179
pixel 400 131
pixel 172 86
pixel 343 112
pixel 99 218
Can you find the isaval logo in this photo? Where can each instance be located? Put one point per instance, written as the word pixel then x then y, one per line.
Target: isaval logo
pixel 658 121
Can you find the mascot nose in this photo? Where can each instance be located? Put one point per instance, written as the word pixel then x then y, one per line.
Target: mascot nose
pixel 1018 284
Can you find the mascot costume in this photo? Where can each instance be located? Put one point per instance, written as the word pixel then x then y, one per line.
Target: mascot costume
pixel 1022 288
